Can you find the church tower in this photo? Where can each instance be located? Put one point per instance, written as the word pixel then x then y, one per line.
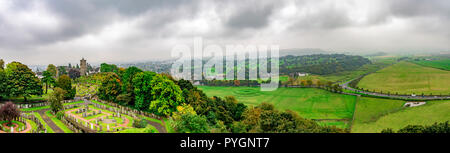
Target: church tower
pixel 83 67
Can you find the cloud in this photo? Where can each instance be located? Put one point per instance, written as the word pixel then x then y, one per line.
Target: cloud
pixel 117 30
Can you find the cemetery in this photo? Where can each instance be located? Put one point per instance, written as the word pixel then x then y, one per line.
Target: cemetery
pixel 93 117
pixel 83 116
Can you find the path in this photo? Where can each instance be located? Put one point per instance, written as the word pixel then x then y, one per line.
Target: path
pixel 159 127
pixel 405 97
pixel 49 121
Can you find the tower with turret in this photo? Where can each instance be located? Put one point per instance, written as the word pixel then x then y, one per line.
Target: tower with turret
pixel 83 67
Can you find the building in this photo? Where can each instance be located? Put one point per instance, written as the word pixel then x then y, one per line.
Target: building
pixel 83 67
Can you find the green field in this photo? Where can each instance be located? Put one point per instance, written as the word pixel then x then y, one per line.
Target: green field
pixel 308 102
pixel 443 64
pixel 408 78
pixel 373 115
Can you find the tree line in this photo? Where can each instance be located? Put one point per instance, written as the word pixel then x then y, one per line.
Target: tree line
pixel 321 64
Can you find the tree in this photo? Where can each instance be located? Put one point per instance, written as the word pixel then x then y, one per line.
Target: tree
pixel 62 70
pixel 110 87
pixel 74 73
pixel 3 84
pixel 183 109
pixel 56 99
pixel 64 82
pixel 266 119
pixel 128 96
pixel 237 83
pixel 143 89
pixel 166 96
pixel 9 112
pixel 191 123
pixel 2 64
pixel 52 69
pixel 48 80
pixel 108 68
pixel 309 83
pixel 22 81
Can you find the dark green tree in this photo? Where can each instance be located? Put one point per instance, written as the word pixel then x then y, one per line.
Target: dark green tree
pixel 190 123
pixel 22 81
pixel 128 97
pixel 143 89
pixel 64 82
pixel 110 87
pixel 56 99
pixel 166 95
pixel 48 80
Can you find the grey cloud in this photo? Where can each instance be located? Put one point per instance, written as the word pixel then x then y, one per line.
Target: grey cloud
pixel 251 17
pixel 411 8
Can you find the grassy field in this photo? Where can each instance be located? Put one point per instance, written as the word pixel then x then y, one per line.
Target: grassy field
pixel 443 64
pixel 308 102
pixel 374 115
pixel 408 78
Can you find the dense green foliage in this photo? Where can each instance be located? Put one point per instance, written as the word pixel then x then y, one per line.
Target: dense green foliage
pixel 56 99
pixel 48 80
pixel 143 89
pixel 20 81
pixel 166 95
pixel 191 123
pixel 128 97
pixel 64 82
pixel 108 68
pixel 321 63
pixel 110 87
pixel 264 118
pixel 52 69
pixel 435 128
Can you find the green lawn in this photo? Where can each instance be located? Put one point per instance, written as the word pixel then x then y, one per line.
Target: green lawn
pixel 308 102
pixel 408 78
pixel 374 115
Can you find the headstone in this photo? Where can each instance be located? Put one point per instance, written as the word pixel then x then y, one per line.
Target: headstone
pixel 12 129
pixel 107 127
pixel 92 126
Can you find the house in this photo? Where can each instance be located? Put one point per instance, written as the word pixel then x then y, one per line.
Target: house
pixel 301 74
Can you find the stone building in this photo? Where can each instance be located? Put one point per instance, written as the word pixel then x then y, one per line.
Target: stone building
pixel 83 67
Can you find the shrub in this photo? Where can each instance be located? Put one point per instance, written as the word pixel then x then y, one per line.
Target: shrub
pixel 140 123
pixel 59 115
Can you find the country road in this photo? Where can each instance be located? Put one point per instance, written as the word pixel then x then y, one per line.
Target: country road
pixel 405 97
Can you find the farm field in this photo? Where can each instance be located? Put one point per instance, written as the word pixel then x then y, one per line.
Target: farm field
pixel 443 64
pixel 408 78
pixel 374 115
pixel 308 102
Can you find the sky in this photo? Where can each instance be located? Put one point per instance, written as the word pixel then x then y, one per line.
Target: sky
pixel 63 31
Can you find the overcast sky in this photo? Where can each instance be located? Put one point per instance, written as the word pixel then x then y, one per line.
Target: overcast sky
pixel 62 31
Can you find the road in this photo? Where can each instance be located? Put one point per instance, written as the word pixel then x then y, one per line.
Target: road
pixel 405 97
